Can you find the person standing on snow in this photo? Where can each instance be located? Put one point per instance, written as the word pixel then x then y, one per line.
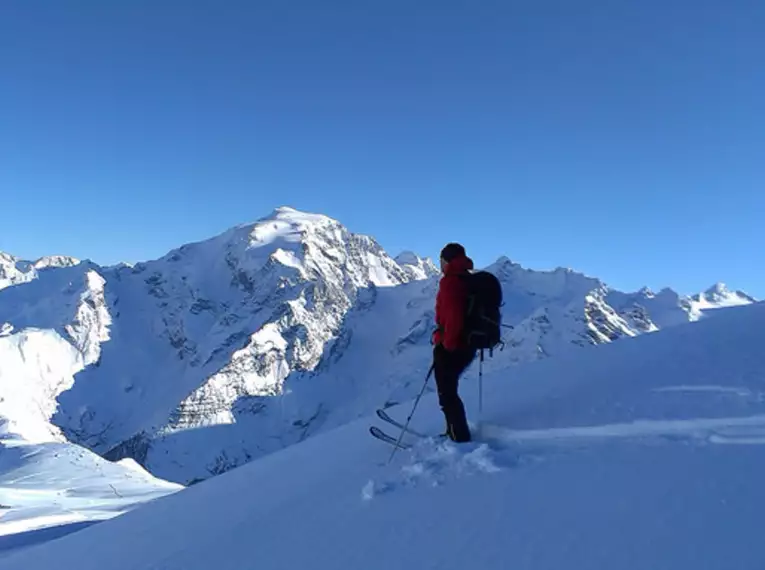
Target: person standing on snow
pixel 451 354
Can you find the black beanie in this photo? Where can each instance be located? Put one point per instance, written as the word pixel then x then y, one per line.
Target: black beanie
pixel 452 250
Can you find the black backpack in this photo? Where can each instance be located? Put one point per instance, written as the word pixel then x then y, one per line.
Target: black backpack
pixel 483 320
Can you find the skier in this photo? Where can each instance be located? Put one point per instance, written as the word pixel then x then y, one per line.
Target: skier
pixel 451 353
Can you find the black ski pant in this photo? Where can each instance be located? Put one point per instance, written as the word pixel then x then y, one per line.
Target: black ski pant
pixel 448 366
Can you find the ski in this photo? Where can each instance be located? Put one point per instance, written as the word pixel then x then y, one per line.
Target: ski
pixel 382 436
pixel 383 415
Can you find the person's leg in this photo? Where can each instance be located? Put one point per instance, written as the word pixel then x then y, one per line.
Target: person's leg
pixel 448 367
pixel 460 429
pixel 443 380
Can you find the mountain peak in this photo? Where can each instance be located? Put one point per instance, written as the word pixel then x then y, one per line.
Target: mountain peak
pixel 14 271
pixel 719 295
pixel 415 266
pixel 717 289
pixel 646 292
pixel 304 217
pixel 504 260
pixel 56 261
pixel 287 210
pixel 407 256
pixel 287 225
pixel 504 265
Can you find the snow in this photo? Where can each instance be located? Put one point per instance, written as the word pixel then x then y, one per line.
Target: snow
pixel 183 341
pixel 719 296
pixel 270 333
pixel 46 481
pixel 55 261
pixel 36 366
pixel 56 484
pixel 642 453
pixel 15 271
pixel 417 267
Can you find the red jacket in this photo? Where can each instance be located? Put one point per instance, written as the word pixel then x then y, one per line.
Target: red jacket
pixel 450 304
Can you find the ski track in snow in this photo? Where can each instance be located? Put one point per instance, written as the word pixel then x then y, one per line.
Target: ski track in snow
pixel 434 464
pixel 699 429
pixel 740 391
pixel 433 461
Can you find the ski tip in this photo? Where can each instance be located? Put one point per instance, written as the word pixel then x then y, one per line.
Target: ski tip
pixel 384 437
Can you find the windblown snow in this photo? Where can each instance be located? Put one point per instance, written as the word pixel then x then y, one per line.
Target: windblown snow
pixel 267 335
pixel 643 453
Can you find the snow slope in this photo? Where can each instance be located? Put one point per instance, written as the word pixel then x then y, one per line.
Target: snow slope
pixel 36 365
pixel 53 484
pixel 52 328
pixel 267 334
pixel 638 454
pixel 46 481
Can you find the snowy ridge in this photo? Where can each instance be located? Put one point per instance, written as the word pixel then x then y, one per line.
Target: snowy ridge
pixel 90 326
pixel 598 452
pixel 234 347
pixel 14 271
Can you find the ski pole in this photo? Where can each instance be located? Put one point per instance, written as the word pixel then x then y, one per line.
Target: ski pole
pixel 401 435
pixel 480 391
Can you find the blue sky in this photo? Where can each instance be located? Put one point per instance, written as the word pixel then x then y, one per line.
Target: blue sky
pixel 622 139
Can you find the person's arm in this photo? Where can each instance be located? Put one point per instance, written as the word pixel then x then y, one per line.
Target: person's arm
pixel 452 312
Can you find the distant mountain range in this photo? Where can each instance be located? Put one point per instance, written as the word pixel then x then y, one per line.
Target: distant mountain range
pixel 234 347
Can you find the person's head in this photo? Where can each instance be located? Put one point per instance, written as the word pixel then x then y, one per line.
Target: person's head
pixel 449 252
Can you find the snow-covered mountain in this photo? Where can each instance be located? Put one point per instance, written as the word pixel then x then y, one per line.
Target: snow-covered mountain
pixel 639 454
pixel 14 270
pixel 720 296
pixel 205 336
pixel 235 347
pixel 415 266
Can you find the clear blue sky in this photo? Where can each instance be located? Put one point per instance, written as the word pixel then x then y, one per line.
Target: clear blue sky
pixel 623 139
